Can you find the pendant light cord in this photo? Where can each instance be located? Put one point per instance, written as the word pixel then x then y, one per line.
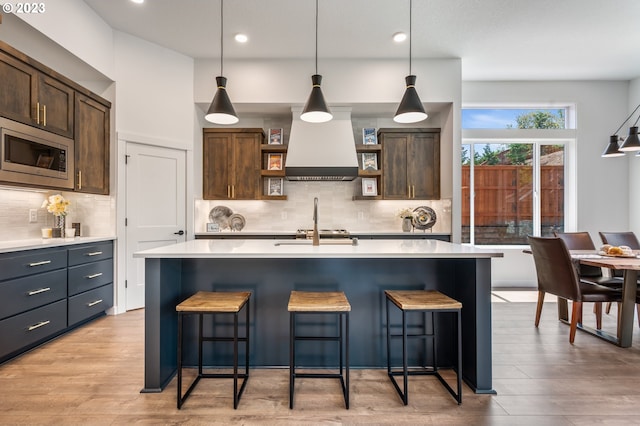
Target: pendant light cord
pixel 316 36
pixel 627 119
pixel 410 34
pixel 221 36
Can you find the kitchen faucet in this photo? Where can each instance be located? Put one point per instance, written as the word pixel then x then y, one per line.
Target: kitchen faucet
pixel 316 236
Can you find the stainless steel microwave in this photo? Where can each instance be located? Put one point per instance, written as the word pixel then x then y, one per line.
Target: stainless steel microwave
pixel 34 157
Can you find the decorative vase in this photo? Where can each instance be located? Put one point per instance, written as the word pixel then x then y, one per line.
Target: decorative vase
pixel 58 226
pixel 407 225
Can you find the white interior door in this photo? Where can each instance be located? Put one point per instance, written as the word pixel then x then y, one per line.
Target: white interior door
pixel 155 208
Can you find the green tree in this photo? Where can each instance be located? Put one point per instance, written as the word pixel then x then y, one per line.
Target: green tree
pixel 519 153
pixel 541 120
pixel 465 156
pixel 488 157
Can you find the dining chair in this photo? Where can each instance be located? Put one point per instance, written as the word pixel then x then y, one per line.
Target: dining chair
pixel 630 240
pixel 593 274
pixel 558 276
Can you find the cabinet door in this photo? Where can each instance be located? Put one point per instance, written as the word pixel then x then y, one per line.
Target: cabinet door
pixel 246 166
pixel 92 145
pixel 423 166
pixel 55 101
pixel 217 157
pixel 19 85
pixel 394 164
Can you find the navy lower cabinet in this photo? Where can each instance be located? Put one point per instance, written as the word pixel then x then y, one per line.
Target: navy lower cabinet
pixel 46 292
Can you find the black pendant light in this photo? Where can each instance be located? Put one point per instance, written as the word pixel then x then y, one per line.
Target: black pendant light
pixel 631 143
pixel 410 109
pixel 612 149
pixel 221 110
pixel 316 110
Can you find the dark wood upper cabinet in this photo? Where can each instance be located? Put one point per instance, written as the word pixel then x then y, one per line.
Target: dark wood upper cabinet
pixel 54 107
pixel 33 94
pixel 231 164
pixel 33 98
pixel 410 163
pixel 92 145
pixel 19 89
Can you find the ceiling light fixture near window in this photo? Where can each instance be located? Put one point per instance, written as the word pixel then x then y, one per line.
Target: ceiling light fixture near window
pixel 399 37
pixel 631 143
pixel 316 110
pixel 221 110
pixel 241 38
pixel 410 109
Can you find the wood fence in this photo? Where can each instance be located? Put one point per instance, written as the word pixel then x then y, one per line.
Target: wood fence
pixel 503 199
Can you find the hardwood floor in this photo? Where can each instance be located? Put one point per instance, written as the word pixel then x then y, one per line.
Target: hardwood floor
pixel 93 376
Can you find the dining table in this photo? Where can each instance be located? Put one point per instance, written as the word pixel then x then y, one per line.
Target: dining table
pixel 630 267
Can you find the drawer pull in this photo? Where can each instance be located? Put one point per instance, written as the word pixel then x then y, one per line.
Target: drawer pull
pixel 38 325
pixel 94 253
pixel 93 275
pixel 44 262
pixel 94 303
pixel 42 290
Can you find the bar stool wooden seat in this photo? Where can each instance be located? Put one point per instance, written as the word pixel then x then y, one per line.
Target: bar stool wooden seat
pixel 422 301
pixel 214 303
pixel 307 302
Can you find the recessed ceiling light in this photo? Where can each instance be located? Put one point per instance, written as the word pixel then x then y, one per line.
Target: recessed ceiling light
pixel 138 1
pixel 241 38
pixel 399 37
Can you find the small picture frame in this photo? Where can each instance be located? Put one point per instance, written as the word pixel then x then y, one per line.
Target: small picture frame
pixel 274 186
pixel 274 161
pixel 213 227
pixel 369 136
pixel 369 187
pixel 369 161
pixel 275 136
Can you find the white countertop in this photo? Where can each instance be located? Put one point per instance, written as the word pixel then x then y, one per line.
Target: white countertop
pixel 304 249
pixel 37 243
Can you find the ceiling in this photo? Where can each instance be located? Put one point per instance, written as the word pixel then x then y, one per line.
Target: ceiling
pixel 496 39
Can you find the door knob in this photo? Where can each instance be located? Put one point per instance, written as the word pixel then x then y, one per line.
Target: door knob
pixel 180 232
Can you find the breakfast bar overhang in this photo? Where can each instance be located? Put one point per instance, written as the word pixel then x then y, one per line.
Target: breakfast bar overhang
pixel 270 269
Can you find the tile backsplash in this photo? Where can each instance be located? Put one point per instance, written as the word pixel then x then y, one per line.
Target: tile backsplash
pixel 336 209
pixel 96 213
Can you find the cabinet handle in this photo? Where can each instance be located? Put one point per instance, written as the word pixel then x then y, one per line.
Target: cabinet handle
pixel 37 112
pixel 228 191
pixel 413 191
pixel 34 292
pixel 94 253
pixel 90 304
pixel 233 191
pixel 38 325
pixel 44 262
pixel 79 179
pixel 92 276
pixel 44 115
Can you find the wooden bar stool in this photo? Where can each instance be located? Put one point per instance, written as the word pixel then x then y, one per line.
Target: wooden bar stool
pixel 422 301
pixel 213 303
pixel 308 302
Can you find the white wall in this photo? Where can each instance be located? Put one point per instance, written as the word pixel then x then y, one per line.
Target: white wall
pixel 75 26
pixel 602 183
pixel 154 90
pixel 634 165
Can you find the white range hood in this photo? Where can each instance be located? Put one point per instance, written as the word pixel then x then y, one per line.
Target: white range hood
pixel 322 151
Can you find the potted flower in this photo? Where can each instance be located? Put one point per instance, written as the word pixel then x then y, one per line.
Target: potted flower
pixel 59 207
pixel 406 215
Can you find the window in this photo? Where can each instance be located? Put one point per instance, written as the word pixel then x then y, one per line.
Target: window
pixel 514 180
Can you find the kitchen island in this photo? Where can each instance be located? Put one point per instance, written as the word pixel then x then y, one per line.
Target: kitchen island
pixel 271 269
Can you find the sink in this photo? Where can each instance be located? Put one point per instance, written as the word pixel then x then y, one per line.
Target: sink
pixel 325 242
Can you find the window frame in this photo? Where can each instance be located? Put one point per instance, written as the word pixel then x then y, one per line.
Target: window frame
pixel 537 137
